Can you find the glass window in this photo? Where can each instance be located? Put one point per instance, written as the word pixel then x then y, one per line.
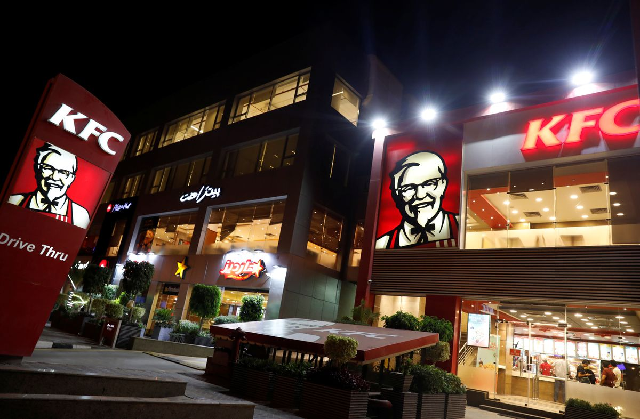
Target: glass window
pixel 160 178
pixel 568 205
pixel 116 238
pixel 345 101
pixel 144 143
pixel 180 176
pixel 624 195
pixel 90 240
pixel 199 122
pixel 255 226
pixel 273 96
pixel 268 155
pixel 339 168
pixel 171 235
pixel 356 249
pixel 325 234
pixel 107 194
pixel 131 186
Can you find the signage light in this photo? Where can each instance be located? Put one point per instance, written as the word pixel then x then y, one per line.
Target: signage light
pixel 118 207
pixel 204 192
pixel 243 270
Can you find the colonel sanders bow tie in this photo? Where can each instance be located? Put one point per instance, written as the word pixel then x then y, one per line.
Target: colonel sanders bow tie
pixel 423 232
pixel 48 203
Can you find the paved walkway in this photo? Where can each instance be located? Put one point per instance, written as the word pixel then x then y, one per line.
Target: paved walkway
pixel 54 338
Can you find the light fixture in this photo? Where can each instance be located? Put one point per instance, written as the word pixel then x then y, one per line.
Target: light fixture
pixel 529 319
pixel 589 324
pixel 552 218
pixel 515 211
pixel 522 220
pixel 594 327
pixel 630 330
pixel 579 206
pixel 585 216
pixel 545 209
pixel 556 318
pixel 619 317
pixel 523 315
pixel 574 197
pixel 506 202
pixel 582 77
pixel 620 214
pixel 538 199
pixel 578 315
pixel 497 96
pixel 513 311
pixel 624 322
pixel 548 313
pixel 379 123
pixel 613 193
pixel 616 204
pixel 428 114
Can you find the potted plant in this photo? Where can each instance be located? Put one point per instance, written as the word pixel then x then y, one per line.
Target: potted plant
pixel 132 328
pixel 163 324
pixel 251 309
pixel 205 302
pixel 226 320
pixel 347 392
pixel 401 320
pixel 136 278
pixel 252 378
pixel 405 403
pixel 429 383
pixel 93 327
pixel 189 329
pixel 94 279
pixel 203 338
pixel 456 397
pixel 111 326
pixel 441 351
pixel 582 409
pixel 287 383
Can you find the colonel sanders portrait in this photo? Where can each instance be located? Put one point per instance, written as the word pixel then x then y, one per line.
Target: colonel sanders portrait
pixel 55 171
pixel 418 184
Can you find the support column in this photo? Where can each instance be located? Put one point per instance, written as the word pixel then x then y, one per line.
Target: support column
pixel 447 307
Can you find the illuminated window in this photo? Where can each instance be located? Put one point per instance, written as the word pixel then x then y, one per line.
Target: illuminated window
pixel 567 205
pixel 107 194
pixel 180 176
pixel 339 167
pixel 346 101
pixel 144 142
pixel 252 227
pixel 325 235
pixel 116 238
pixel 131 186
pixel 356 247
pixel 160 178
pixel 272 96
pixel 171 233
pixel 267 155
pixel 199 122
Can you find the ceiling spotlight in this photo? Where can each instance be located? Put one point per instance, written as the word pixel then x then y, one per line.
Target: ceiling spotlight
pixel 619 317
pixel 582 77
pixel 548 313
pixel 552 218
pixel 523 315
pixel 574 197
pixel 613 193
pixel 538 199
pixel 624 322
pixel 529 319
pixel 620 214
pixel 579 206
pixel 506 202
pixel 585 216
pixel 545 209
pixel 589 324
pixel 522 220
pixel 497 97
pixel 556 318
pixel 630 330
pixel 578 315
pixel 515 211
pixel 429 114
pixel 616 204
pixel 379 123
pixel 594 327
pixel 513 311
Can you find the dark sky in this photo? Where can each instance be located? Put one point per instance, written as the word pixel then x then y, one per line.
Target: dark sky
pixel 449 52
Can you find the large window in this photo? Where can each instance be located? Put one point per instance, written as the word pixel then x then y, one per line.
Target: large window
pixel 204 120
pixel 168 234
pixel 345 101
pixel 144 142
pixel 585 204
pixel 180 176
pixel 255 226
pixel 107 194
pixel 339 167
pixel 131 186
pixel 325 235
pixel 273 96
pixel 267 155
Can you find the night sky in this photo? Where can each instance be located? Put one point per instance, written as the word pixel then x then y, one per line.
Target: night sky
pixel 447 52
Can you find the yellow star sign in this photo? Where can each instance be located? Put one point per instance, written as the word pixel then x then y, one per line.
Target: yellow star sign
pixel 182 267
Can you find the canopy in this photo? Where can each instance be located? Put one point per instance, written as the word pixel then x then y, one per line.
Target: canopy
pixel 308 336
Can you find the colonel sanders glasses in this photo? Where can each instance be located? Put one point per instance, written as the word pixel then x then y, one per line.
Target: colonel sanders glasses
pixel 48 170
pixel 408 192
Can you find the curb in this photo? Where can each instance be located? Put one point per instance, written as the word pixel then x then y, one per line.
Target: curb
pixel 62 345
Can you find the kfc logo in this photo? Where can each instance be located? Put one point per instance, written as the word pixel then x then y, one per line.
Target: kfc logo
pixel 418 185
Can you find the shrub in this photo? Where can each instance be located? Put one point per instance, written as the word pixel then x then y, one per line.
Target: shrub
pixel 114 310
pixel 251 309
pixel 137 313
pixel 136 277
pixel 364 314
pixel 441 351
pixel 187 327
pixel 338 378
pixel 62 301
pixel 442 327
pixel 340 348
pixel 401 320
pixel 163 317
pixel 453 384
pixel 578 404
pixel 226 320
pixel 257 364
pixel 349 320
pixel 204 334
pixel 293 369
pixel 205 301
pixel 605 409
pixel 95 278
pixel 427 379
pixel 99 306
pixel 109 292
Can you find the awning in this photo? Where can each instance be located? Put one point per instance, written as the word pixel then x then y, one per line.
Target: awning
pixel 308 336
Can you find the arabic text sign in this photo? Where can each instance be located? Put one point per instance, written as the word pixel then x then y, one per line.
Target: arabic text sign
pixel 199 196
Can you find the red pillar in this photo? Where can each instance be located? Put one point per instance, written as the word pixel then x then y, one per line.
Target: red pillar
pixel 447 307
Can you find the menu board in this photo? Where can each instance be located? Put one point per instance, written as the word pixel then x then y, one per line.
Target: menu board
pixel 571 349
pixel 548 346
pixel 632 354
pixel 605 351
pixel 582 349
pixel 479 330
pixel 538 346
pixel 594 353
pixel 618 353
pixel 558 347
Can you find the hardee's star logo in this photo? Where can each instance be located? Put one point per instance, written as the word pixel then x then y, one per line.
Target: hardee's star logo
pixel 182 267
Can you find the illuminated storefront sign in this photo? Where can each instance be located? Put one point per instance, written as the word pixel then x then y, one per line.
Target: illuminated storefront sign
pixel 609 122
pixel 118 207
pixel 204 192
pixel 243 270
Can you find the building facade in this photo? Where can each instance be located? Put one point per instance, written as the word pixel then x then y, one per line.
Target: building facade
pixel 251 181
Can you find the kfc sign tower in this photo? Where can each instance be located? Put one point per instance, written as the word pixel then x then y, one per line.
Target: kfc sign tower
pixel 65 162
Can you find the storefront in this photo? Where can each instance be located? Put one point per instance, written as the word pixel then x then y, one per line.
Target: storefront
pixel 526 238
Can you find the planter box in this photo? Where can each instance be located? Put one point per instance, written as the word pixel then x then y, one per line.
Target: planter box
pixel 405 404
pixel 191 339
pixel 177 337
pixel 327 402
pixel 286 392
pixel 128 331
pixel 92 331
pixel 203 341
pixel 455 406
pixel 575 413
pixel 238 378
pixel 431 406
pixel 161 333
pixel 399 382
pixel 259 384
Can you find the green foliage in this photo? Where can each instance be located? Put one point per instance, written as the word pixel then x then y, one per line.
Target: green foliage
pixel 205 301
pixel 226 320
pixel 340 348
pixel 442 327
pixel 401 320
pixel 123 298
pixel 364 314
pixel 109 292
pixel 578 404
pixel 204 334
pixel 349 320
pixel 99 306
pixel 441 351
pixel 187 327
pixel 75 301
pixel 453 384
pixel 605 409
pixel 251 309
pixel 293 369
pixel 257 364
pixel 338 378
pixel 95 279
pixel 114 310
pixel 61 301
pixel 76 274
pixel 427 379
pixel 163 317
pixel 136 277
pixel 137 313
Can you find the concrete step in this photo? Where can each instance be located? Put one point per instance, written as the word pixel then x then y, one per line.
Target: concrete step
pixel 44 381
pixel 518 411
pixel 37 406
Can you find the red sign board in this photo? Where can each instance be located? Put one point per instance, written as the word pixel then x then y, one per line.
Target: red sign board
pixel 515 352
pixel 67 158
pixel 243 270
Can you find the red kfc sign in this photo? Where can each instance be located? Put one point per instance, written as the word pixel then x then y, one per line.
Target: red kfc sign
pixel 67 158
pixel 243 270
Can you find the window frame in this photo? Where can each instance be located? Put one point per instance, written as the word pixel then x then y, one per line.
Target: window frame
pixel 162 142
